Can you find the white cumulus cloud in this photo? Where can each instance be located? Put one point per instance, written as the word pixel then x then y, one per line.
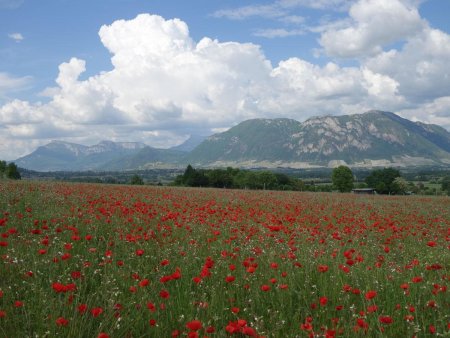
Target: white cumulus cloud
pixel 374 24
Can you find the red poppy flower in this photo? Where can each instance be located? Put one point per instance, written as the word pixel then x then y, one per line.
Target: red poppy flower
pixel 151 307
pixel 61 321
pixel 409 318
pixel 194 325
pixel 144 282
pixel 322 268
pixel 248 331
pixel 97 311
pixel 385 319
pixel 76 274
pixel 164 294
pixel 82 308
pixel 370 294
pixel 230 279
pixel 404 286
pixel 372 308
pixel 432 329
pixel 265 287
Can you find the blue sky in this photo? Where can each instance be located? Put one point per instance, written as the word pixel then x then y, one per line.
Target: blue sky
pixel 157 71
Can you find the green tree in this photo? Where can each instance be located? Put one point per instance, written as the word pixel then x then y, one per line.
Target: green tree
pixel 199 179
pixel 240 180
pixel 445 184
pixel 12 171
pixel 342 178
pixel 383 180
pixel 401 185
pixel 220 178
pixel 136 180
pixel 266 180
pixel 2 168
pixel 189 173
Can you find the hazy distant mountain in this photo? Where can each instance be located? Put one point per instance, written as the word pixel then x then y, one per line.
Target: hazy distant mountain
pixel 146 158
pixel 190 144
pixel 59 155
pixel 372 139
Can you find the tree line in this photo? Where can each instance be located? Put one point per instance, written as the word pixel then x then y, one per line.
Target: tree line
pixel 386 181
pixel 234 178
pixel 9 170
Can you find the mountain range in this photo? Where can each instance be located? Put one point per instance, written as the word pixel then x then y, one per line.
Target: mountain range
pixel 372 139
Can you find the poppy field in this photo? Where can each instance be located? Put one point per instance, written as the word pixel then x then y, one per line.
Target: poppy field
pixel 86 260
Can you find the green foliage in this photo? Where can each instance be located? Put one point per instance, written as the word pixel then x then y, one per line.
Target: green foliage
pixel 445 185
pixel 193 178
pixel 342 178
pixel 2 168
pixel 402 185
pixel 236 178
pixel 136 180
pixel 383 180
pixel 220 178
pixel 9 170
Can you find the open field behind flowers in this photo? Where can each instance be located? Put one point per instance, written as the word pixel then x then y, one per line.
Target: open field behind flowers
pixel 120 261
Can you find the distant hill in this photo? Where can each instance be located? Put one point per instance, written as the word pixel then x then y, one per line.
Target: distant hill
pixel 146 158
pixel 190 144
pixel 58 155
pixel 372 139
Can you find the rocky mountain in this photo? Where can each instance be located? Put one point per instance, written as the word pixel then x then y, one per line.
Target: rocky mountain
pixel 371 139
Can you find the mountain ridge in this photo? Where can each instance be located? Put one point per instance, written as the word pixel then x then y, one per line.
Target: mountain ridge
pixel 372 139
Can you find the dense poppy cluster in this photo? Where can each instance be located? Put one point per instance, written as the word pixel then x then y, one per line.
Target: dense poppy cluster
pixel 122 261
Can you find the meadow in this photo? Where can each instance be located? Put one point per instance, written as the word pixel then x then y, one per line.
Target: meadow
pixel 87 260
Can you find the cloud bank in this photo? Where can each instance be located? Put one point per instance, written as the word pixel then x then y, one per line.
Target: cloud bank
pixel 164 85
